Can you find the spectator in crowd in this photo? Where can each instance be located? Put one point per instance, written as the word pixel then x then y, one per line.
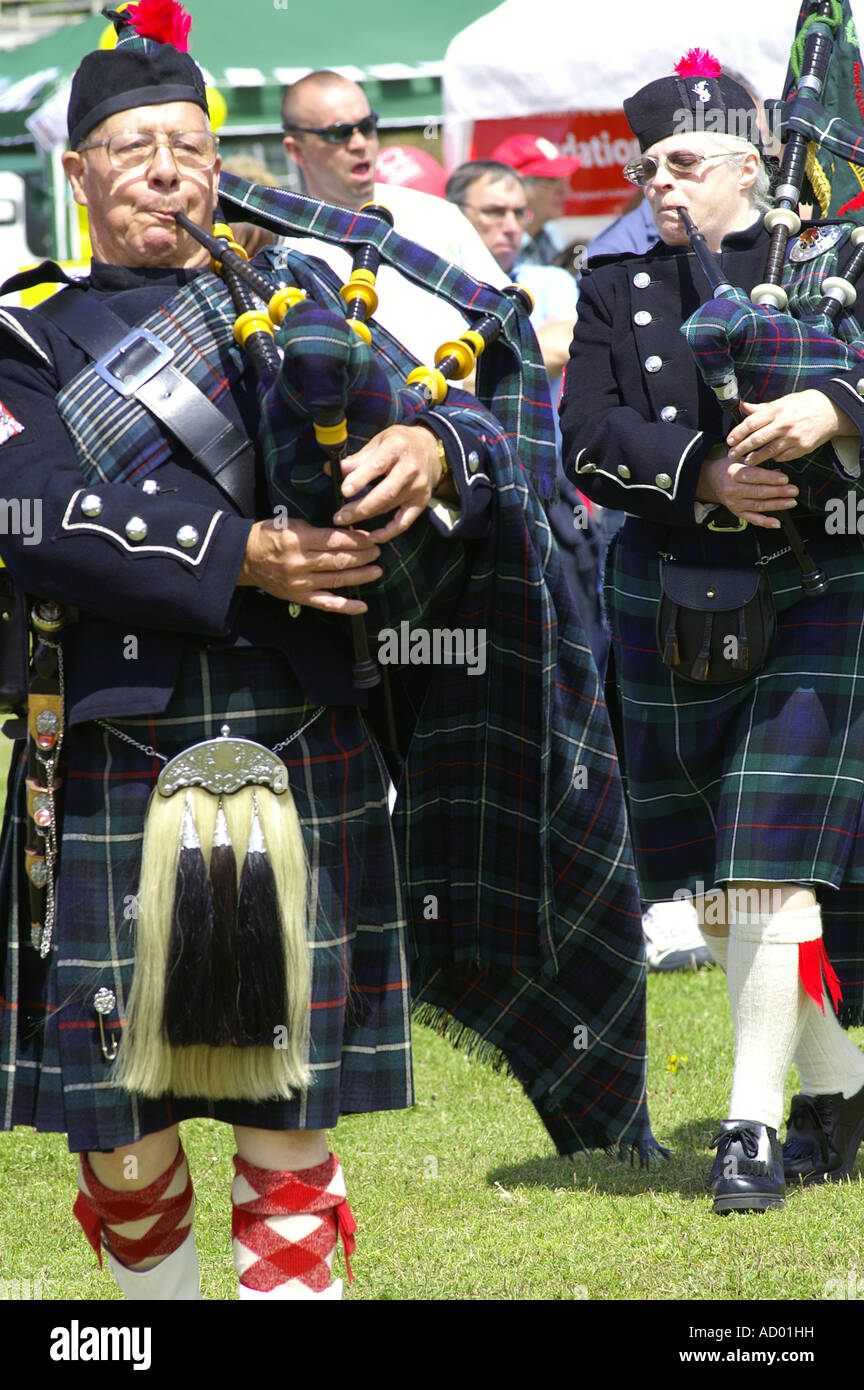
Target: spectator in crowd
pixel 493 198
pixel 545 176
pixel 331 134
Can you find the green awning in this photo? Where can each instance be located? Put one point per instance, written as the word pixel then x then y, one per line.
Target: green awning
pixel 252 49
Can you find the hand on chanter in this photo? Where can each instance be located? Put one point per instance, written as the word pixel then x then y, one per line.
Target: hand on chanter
pixel 304 564
pixel 402 468
pixel 745 489
pixel 788 428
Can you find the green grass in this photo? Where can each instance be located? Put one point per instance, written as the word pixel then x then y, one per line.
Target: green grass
pixel 463 1196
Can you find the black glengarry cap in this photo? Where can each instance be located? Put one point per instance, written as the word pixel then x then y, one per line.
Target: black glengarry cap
pixel 145 69
pixel 699 97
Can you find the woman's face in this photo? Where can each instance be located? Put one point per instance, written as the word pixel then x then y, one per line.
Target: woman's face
pixel 715 190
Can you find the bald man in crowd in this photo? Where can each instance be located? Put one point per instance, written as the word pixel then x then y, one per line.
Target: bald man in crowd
pixel 331 134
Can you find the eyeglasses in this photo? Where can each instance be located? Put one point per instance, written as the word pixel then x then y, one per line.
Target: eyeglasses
pixel 498 214
pixel 341 131
pixel 681 164
pixel 134 150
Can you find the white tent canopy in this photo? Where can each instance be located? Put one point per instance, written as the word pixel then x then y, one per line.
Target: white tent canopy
pixel 531 56
pixel 562 69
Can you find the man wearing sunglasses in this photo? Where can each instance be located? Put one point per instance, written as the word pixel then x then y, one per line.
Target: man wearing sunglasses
pixel 331 134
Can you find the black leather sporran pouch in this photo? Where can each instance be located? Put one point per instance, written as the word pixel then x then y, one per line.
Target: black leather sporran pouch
pixel 715 625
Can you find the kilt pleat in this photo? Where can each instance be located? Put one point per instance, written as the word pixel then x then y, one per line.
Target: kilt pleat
pixel 54 1076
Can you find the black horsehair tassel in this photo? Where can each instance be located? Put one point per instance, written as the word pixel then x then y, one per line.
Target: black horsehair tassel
pixel 189 981
pixel 703 660
pixel 223 886
pixel 261 997
pixel 671 655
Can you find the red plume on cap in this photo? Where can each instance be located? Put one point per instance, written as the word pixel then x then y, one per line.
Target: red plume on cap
pixel 162 20
pixel 698 62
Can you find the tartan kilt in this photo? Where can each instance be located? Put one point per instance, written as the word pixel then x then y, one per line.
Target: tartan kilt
pixel 761 780
pixel 53 1075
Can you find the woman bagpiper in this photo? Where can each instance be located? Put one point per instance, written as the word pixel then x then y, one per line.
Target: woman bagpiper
pixel 744 786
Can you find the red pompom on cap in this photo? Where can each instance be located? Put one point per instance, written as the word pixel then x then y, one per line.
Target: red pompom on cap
pixel 698 62
pixel 162 20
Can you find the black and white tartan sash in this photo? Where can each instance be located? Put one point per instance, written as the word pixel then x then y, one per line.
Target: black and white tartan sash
pixel 116 438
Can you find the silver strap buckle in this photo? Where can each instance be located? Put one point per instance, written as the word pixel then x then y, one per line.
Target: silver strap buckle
pixel 133 361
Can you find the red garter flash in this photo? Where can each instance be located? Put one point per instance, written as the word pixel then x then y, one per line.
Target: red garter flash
pixel 309 1192
pixel 106 1207
pixel 813 963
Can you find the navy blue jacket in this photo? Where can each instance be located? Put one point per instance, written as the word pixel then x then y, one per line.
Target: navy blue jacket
pixel 167 595
pixel 636 418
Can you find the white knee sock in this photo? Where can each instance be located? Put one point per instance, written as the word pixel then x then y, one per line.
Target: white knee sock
pixel 174 1279
pixel 768 1006
pixel 826 1056
pixel 718 946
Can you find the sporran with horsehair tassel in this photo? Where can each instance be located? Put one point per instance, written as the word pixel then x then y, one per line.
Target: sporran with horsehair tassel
pixel 715 625
pixel 220 999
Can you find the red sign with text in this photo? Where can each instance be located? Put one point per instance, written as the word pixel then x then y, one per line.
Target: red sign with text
pixel 602 140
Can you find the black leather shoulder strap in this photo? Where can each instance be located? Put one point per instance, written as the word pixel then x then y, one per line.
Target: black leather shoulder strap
pixel 134 363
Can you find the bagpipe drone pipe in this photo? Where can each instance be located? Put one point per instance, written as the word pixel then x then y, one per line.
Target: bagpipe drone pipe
pixel 797 328
pixel 316 366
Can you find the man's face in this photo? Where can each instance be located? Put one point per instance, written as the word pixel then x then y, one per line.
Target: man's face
pixel 499 211
pixel 342 173
pixel 546 198
pixel 130 213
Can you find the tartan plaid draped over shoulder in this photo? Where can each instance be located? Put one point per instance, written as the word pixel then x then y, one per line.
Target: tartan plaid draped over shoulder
pixel 115 436
pixel 519 888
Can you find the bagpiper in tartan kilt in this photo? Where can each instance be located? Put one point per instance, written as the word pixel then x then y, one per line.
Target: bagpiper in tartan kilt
pixel 580 962
pixel 744 779
pixel 192 620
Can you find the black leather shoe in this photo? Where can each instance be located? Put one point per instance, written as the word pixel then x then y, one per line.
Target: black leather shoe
pixel 823 1135
pixel 748 1171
